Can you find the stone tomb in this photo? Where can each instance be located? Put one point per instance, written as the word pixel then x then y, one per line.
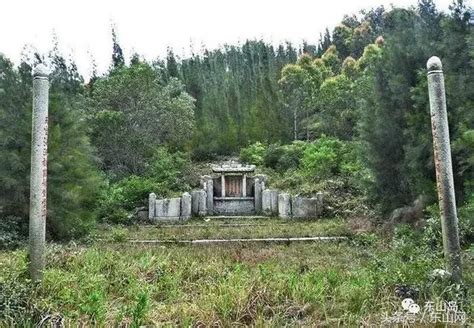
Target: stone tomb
pixel 234 190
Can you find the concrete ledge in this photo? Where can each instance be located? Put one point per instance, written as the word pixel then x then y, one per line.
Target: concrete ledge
pixel 184 224
pixel 166 218
pixel 233 217
pixel 239 240
pixel 234 198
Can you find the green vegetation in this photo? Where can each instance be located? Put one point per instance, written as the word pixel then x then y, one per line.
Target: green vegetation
pixel 74 181
pixel 166 174
pixel 378 96
pixel 348 117
pixel 233 228
pixel 323 283
pixel 328 165
pixel 132 112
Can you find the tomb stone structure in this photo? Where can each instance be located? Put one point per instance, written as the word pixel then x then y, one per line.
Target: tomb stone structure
pixel 233 189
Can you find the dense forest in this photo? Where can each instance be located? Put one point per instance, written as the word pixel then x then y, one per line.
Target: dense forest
pixel 348 115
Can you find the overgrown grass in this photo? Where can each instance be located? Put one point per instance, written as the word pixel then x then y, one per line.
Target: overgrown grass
pixel 300 284
pixel 232 228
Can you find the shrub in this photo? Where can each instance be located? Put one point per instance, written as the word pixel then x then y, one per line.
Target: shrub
pixel 169 170
pixel 165 176
pixel 16 292
pixel 328 165
pixel 253 154
pixel 12 232
pixel 432 235
pixel 323 158
pixel 140 310
pixel 119 235
pixel 284 158
pixel 272 155
pixel 95 307
pixel 292 155
pixel 327 157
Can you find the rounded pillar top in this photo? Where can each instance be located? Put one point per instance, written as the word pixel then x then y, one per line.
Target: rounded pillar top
pixel 40 70
pixel 434 64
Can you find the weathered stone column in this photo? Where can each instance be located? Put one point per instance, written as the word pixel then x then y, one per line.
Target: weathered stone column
pixel 209 195
pixel 151 206
pixel 186 206
pixel 39 172
pixel 443 165
pixel 198 200
pixel 258 195
pixel 223 185
pixel 195 202
pixel 202 206
pixel 320 199
pixel 244 185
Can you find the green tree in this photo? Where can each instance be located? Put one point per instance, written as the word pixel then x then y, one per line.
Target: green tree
pixel 171 64
pixel 134 110
pixel 73 178
pixel 118 59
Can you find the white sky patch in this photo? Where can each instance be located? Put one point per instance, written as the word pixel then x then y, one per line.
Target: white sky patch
pixel 83 27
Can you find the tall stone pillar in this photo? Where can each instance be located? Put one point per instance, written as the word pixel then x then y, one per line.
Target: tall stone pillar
pixel 151 206
pixel 199 199
pixel 443 165
pixel 202 206
pixel 186 206
pixel 258 195
pixel 209 188
pixel 223 185
pixel 39 172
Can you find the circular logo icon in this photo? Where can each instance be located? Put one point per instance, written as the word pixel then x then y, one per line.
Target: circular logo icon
pixel 414 308
pixel 406 303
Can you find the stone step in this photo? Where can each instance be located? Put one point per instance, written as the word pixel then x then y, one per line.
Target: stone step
pixel 239 240
pixel 233 217
pixel 214 224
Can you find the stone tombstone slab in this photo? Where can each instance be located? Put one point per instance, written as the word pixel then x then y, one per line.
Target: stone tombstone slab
pixel 169 208
pixel 234 207
pixel 186 206
pixel 270 202
pixel 284 205
pixel 174 207
pixel 161 209
pixel 304 207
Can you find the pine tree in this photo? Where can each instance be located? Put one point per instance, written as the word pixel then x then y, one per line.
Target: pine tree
pixel 118 59
pixel 171 64
pixel 73 179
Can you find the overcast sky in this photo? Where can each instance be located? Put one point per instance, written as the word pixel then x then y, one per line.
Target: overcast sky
pixel 149 27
